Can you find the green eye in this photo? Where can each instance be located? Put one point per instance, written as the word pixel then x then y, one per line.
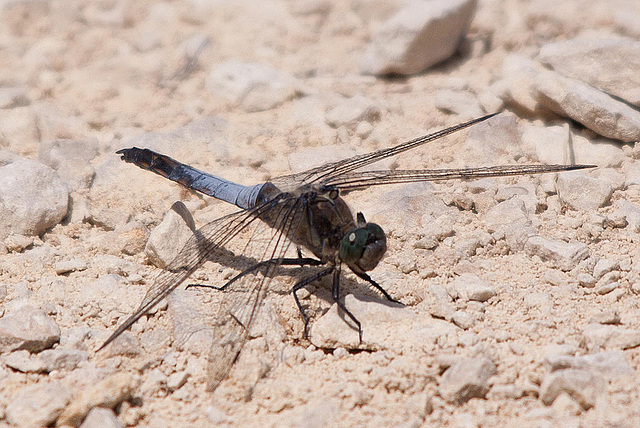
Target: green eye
pixel 352 246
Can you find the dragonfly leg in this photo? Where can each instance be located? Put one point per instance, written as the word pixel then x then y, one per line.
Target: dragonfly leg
pixel 300 261
pixel 377 286
pixel 300 285
pixel 336 298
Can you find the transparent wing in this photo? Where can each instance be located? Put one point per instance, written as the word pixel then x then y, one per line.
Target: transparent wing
pixel 360 180
pixel 204 244
pixel 333 170
pixel 241 304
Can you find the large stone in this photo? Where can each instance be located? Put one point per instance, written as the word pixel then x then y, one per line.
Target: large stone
pixel 466 379
pixel 30 329
pixel 611 64
pixel 108 393
pixel 38 405
pixel 420 35
pixel 384 326
pixel 583 386
pixel 585 104
pixel 599 336
pixel 32 198
pixel 562 255
pixel 583 193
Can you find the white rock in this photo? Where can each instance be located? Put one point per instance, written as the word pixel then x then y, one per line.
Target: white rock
pixel 550 144
pixel 587 105
pixel 38 405
pixel 519 74
pixel 29 328
pixel 599 336
pixel 611 364
pixel 463 319
pixel 472 287
pixel 595 59
pixel 32 198
pixel 167 239
pixel 466 379
pixel 254 87
pixel 464 104
pixel 384 325
pixel 629 212
pixel 100 417
pixel 62 359
pixel 70 158
pixel 15 243
pixel 351 111
pixel 67 266
pixel 581 192
pixel 108 393
pixel 22 361
pixel 604 266
pixel 562 255
pixel 583 386
pixel 418 36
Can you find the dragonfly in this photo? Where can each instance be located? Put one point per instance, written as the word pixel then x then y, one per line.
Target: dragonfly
pixel 303 210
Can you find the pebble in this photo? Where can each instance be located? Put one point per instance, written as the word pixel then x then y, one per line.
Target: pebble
pixel 595 59
pixel 606 316
pixel 587 105
pixel 67 266
pixel 100 417
pixel 253 87
pixel 472 287
pixel 602 267
pixel 581 192
pixel 599 336
pixel 167 239
pixel 177 380
pixel 351 111
pixel 33 198
pixel 466 379
pixel 562 255
pixel 30 329
pixel 38 405
pixel 464 104
pixel 463 319
pixel 611 364
pixel 626 211
pixel 516 87
pixel 583 386
pixel 15 243
pixel 554 277
pixel 550 143
pixel 418 36
pixel 607 288
pixel 67 156
pixel 62 359
pixel 384 325
pixel 108 393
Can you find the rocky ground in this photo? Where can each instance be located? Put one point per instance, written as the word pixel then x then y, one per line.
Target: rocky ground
pixel 519 295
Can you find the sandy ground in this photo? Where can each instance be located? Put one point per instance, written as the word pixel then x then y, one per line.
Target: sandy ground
pixel 105 72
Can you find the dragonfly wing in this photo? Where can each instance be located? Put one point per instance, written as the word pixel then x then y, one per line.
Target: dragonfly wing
pixel 242 303
pixel 363 179
pixel 203 244
pixel 336 169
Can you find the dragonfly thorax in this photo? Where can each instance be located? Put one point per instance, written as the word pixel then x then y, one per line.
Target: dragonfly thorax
pixel 362 248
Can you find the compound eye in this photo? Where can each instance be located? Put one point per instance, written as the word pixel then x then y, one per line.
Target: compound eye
pixel 333 194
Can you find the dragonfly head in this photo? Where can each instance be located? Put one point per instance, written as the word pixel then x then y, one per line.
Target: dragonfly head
pixel 362 248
